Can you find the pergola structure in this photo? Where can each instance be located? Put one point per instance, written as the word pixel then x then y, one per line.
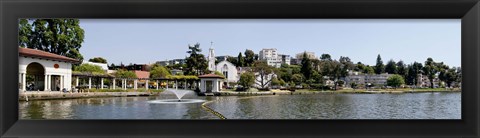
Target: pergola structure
pixel 44 71
pixel 124 81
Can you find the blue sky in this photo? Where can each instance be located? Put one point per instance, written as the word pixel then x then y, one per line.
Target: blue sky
pixel 151 40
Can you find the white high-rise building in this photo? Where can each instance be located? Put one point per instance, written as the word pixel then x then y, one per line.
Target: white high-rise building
pixel 271 56
pixel 285 59
pixel 267 53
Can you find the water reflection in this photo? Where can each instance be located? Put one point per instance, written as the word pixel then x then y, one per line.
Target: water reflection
pixel 318 106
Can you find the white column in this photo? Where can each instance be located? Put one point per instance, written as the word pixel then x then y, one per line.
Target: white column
pixel 124 84
pixel 201 86
pixel 45 87
pixel 146 84
pixel 135 84
pixel 61 82
pixel 221 85
pixel 185 87
pixel 199 83
pixel 176 84
pixel 89 82
pixel 167 84
pixel 24 81
pixel 49 82
pixel 157 84
pixel 113 83
pixel 215 85
pixel 77 81
pixel 101 83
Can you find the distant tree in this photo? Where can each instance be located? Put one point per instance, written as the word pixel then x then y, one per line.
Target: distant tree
pixel 233 60
pixel 89 68
pixel 379 67
pixel 402 69
pixel 59 36
pixel 159 72
pixel 247 79
pixel 334 70
pixel 360 67
pixel 263 73
pixel 326 57
pixel 284 72
pixel 282 82
pixel 307 68
pixel 196 63
pixel 24 33
pixel 395 81
pixel 353 85
pixel 240 60
pixel 125 74
pixel 275 81
pixel 412 73
pixel 451 76
pixel 317 77
pixel 249 57
pixel 112 66
pixel 316 64
pixel 296 69
pixel 297 79
pixel 347 65
pixel 391 67
pixel 430 70
pixel 369 70
pixel 448 75
pixel 98 60
pixel 459 75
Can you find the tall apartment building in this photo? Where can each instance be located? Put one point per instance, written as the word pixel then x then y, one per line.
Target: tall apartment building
pixel 273 58
pixel 267 53
pixel 286 59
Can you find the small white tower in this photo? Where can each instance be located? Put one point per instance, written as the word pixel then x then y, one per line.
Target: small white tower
pixel 211 58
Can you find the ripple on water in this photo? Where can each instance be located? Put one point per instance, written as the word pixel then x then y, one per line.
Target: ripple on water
pixel 176 101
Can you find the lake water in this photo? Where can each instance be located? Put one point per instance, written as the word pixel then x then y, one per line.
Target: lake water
pixel 312 106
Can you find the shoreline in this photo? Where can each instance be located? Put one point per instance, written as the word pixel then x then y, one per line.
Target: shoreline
pixel 299 92
pixel 27 96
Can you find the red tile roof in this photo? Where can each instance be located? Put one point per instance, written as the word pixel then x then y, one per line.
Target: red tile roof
pixel 142 74
pixel 210 76
pixel 27 52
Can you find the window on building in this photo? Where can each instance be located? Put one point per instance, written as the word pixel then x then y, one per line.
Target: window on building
pixel 225 71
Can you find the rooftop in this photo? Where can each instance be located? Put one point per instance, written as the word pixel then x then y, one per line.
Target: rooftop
pixel 142 74
pixel 28 52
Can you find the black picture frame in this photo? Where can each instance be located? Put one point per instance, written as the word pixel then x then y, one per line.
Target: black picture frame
pixel 466 10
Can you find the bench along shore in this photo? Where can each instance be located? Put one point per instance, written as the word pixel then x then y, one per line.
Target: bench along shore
pixel 26 96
